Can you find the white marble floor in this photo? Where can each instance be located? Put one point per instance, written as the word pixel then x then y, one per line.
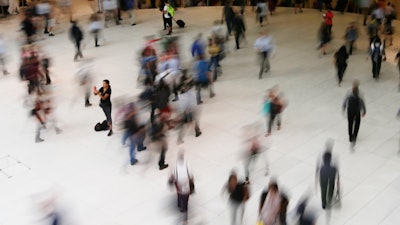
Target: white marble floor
pixel 89 171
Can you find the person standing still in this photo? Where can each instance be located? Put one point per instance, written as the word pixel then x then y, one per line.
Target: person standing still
pixel 328 16
pixel 265 46
pixel 355 109
pixel 76 36
pixel 377 52
pixel 105 103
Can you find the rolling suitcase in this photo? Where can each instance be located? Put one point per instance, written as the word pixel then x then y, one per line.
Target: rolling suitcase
pixel 180 23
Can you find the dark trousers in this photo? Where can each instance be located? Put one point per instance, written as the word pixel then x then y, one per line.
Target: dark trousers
pixel 327 187
pixel 353 120
pixel 351 44
pixel 376 67
pixel 87 96
pixel 96 37
pixel 237 39
pixel 161 161
pixel 214 61
pixel 107 112
pixel 229 25
pixel 78 50
pixel 329 29
pixel 264 63
pixel 340 69
pixel 164 22
pixel 183 200
pixel 272 119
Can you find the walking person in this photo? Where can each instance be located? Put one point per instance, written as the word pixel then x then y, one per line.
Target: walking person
pixel 135 132
pixel 261 11
pixel 105 102
pixel 328 16
pixel 239 29
pixel 3 56
pixel 270 205
pixel 168 12
pixel 228 14
pixel 183 179
pixel 214 52
pixel 85 79
pixel 202 78
pixel 327 175
pixel 365 7
pixel 265 47
pixel 377 53
pixel 238 195
pixel 341 57
pixel 351 36
pixel 355 106
pixel 160 124
pixel 324 37
pixel 95 27
pixel 76 36
pixel 276 108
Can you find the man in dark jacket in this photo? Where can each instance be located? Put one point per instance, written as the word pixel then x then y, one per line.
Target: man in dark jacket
pixel 76 36
pixel 355 105
pixel 238 28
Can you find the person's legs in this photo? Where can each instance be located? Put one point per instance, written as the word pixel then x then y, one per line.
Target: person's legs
pixel 132 16
pixel 324 187
pixel 198 94
pixel 351 47
pixel 3 65
pixel 263 56
pixel 271 121
pixel 125 135
pixel 378 66
pixel 350 121
pixel 132 151
pixel 107 112
pixel 234 211
pixel 331 188
pixel 279 121
pixel 229 26
pixel 356 126
pixel 38 129
pixel 237 35
pixel 96 38
pixel 161 162
pixel 374 68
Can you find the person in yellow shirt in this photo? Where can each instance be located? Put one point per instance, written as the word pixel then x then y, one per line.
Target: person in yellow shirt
pixel 213 51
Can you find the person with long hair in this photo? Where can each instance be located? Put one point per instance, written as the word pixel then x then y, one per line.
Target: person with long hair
pixel 341 57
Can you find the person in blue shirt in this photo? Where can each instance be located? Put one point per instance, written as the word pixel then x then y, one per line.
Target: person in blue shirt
pixel 202 77
pixel 198 47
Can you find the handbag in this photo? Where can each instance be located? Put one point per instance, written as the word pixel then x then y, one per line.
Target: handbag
pixel 260 222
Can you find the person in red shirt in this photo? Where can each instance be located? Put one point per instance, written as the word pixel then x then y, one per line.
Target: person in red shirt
pixel 328 16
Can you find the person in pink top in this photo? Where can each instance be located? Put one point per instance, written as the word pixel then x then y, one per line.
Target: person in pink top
pixel 328 16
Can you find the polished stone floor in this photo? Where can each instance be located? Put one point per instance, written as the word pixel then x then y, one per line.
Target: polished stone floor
pixel 89 171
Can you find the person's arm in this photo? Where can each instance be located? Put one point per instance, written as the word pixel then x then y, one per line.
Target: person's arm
pixel 364 110
pixel 344 106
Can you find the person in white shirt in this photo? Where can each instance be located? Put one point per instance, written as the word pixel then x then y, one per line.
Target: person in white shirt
pixel 262 11
pixel 182 177
pixel 265 45
pixel 2 55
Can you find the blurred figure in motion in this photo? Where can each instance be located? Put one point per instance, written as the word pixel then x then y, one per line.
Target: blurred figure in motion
pixel 270 205
pixel 284 202
pixel 340 58
pixel 377 53
pixel 110 11
pixel 85 79
pixel 28 26
pixel 265 47
pixel 76 35
pixel 105 103
pixel 253 148
pixel 198 46
pixel 134 131
pixel 238 195
pixel 327 175
pixel 228 15
pixel 43 111
pixel 95 27
pixel 239 29
pixel 324 37
pixel 159 127
pixel 305 217
pixel 45 64
pixel 3 55
pixel 277 105
pixel 66 8
pixel 182 178
pixel 213 51
pixel 202 78
pixel 261 11
pixel 373 29
pixel 355 106
pixel 365 9
pixel 351 35
pixel 30 70
pixel 188 111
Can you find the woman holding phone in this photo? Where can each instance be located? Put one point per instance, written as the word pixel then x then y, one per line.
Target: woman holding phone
pixel 105 103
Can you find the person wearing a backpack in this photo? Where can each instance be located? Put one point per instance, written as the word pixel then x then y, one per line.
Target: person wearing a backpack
pixel 355 109
pixel 168 13
pixel 238 195
pixel 377 52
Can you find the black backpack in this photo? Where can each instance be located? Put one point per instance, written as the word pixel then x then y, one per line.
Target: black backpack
pixel 101 126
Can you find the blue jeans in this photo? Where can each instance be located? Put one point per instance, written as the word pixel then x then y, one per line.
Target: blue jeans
pixel 136 139
pixel 125 136
pixel 214 63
